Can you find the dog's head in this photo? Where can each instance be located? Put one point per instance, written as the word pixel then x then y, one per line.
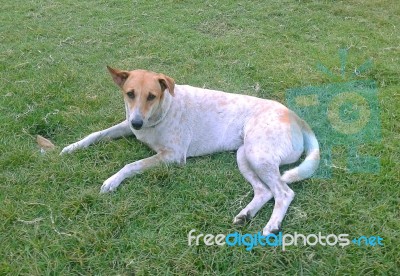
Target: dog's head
pixel 143 93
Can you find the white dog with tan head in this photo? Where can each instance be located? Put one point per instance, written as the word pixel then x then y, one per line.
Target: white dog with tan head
pixel 180 121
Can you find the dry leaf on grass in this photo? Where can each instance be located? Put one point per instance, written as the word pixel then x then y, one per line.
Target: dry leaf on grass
pixel 44 143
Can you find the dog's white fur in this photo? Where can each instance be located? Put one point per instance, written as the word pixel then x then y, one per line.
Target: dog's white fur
pixel 179 121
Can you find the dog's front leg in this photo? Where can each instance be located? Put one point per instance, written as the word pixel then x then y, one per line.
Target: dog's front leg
pixel 137 167
pixel 119 130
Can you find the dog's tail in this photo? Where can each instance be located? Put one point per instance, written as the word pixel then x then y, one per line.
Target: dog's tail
pixel 310 163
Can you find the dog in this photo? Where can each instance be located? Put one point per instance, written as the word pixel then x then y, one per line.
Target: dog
pixel 181 121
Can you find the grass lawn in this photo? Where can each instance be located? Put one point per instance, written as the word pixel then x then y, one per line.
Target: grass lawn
pixel 54 82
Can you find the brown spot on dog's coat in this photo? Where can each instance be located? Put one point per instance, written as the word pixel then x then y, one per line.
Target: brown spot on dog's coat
pixel 285 116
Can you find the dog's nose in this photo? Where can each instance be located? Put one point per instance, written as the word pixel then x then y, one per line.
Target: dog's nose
pixel 137 124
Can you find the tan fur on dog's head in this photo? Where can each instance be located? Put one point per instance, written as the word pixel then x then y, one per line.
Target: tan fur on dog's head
pixel 143 91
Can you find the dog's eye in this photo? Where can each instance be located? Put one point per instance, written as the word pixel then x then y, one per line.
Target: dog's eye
pixel 131 95
pixel 151 97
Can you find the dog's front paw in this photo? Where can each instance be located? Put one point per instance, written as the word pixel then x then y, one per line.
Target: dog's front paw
pixel 110 184
pixel 70 148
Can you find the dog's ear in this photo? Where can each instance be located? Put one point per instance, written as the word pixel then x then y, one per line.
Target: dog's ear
pixel 167 82
pixel 118 76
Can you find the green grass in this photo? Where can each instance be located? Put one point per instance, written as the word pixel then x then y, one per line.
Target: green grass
pixel 53 57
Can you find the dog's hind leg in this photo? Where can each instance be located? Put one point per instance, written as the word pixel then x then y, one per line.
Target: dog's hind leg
pixel 267 169
pixel 261 193
pixel 120 130
pixel 283 197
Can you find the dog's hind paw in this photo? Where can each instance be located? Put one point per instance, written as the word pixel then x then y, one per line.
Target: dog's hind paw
pixel 271 228
pixel 241 219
